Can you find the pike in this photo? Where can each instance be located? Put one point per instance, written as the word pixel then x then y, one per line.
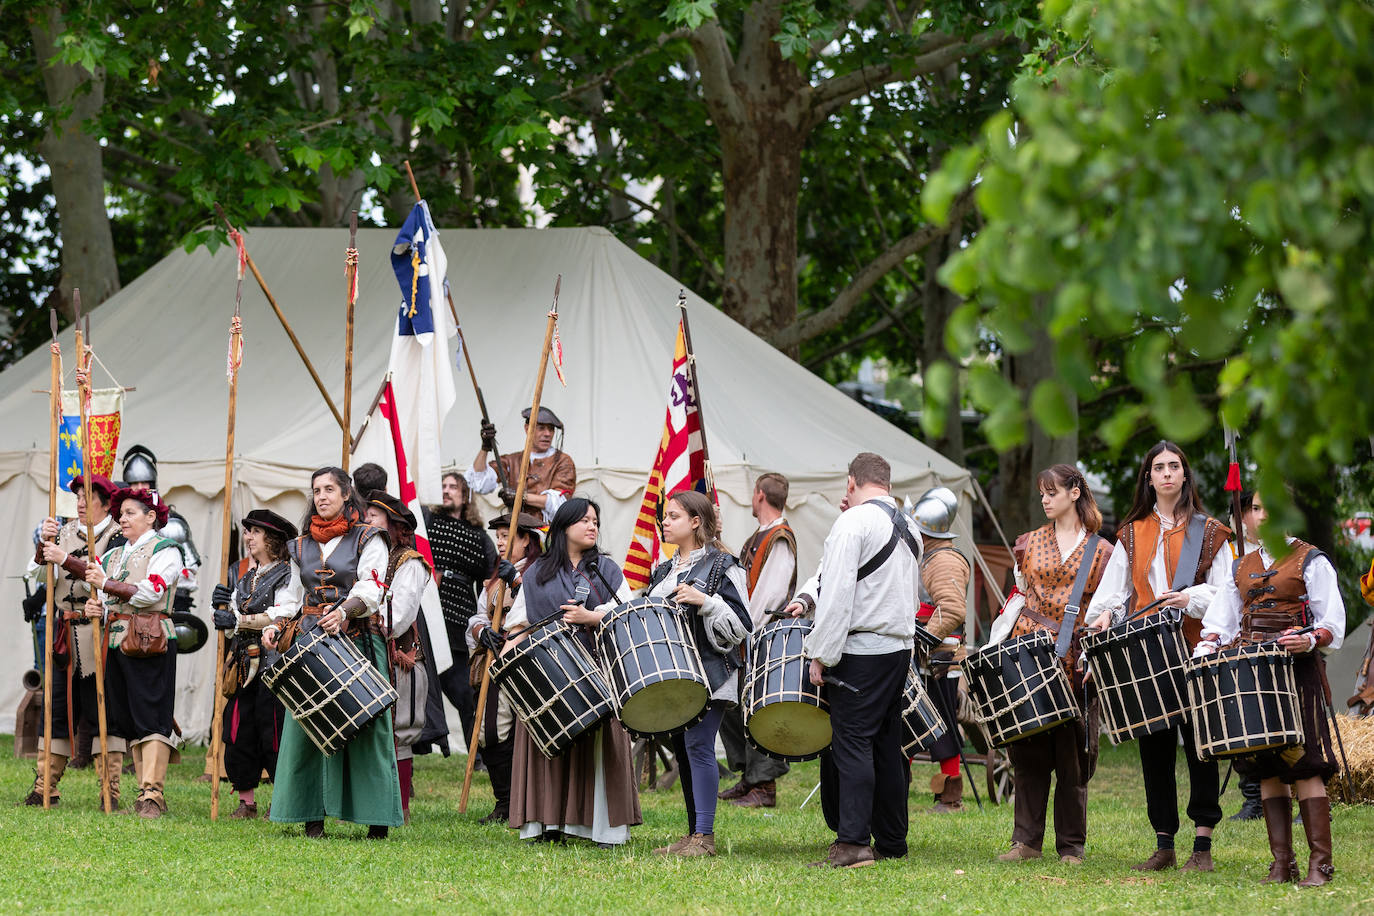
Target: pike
pixel 351 296
pixel 498 611
pixel 54 421
pixel 83 383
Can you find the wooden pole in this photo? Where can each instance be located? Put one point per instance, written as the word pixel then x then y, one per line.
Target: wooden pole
pixel 350 282
pixel 286 326
pixel 83 381
pixel 696 395
pixel 467 357
pixel 226 528
pixel 54 421
pixel 499 611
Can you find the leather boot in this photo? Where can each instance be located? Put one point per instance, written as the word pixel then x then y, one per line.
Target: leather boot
pixel 738 790
pixel 698 844
pixel 762 795
pixel 112 768
pixel 1159 860
pixel 951 796
pixel 153 762
pixel 58 766
pixel 1316 823
pixel 1278 820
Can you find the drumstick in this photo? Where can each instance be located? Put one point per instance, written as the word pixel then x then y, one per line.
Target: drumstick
pixel 836 682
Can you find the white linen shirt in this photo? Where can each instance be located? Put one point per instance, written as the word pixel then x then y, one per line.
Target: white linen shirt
pixel 163 571
pixel 770 591
pixel 1323 598
pixel 1115 588
pixel 368 588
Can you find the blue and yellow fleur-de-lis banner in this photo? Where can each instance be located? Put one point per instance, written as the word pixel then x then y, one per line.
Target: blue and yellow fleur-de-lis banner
pixel 107 407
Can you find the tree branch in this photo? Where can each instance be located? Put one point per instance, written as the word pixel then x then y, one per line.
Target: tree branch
pixel 607 74
pixel 715 62
pixel 867 334
pixel 134 184
pixel 673 226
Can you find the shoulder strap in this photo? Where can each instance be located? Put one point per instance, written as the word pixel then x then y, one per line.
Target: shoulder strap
pixel 900 532
pixel 1080 585
pixel 1191 554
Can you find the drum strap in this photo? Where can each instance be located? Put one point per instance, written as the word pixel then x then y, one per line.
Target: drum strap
pixel 1191 553
pixel 900 532
pixel 1080 585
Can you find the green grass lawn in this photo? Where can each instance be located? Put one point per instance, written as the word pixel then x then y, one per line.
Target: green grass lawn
pixel 73 858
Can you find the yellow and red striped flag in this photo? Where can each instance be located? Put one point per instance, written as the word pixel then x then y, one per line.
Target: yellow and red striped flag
pixel 679 465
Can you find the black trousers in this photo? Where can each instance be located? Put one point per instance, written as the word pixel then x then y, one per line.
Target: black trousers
pixel 944 693
pixel 1157 757
pixel 742 757
pixel 253 720
pixel 864 776
pixel 140 693
pixel 454 683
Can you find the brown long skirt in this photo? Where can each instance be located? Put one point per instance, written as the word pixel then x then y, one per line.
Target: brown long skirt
pixel 1315 756
pixel 561 794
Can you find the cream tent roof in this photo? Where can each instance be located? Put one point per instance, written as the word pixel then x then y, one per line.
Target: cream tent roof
pixel 165 334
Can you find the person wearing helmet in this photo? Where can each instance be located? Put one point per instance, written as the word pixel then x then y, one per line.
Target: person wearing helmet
pixel 945 575
pixel 552 474
pixel 140 473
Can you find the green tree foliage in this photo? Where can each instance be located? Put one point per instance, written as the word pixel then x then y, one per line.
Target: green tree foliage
pixel 1197 178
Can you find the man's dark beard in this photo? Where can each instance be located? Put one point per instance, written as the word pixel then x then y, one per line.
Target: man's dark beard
pixel 445 509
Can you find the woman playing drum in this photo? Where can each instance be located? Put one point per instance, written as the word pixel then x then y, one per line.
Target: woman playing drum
pixel 704 576
pixel 589 791
pixel 1048 570
pixel 497 719
pixel 337 570
pixel 1296 602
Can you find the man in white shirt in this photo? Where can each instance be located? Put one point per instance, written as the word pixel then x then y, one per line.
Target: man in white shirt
pixel 864 601
pixel 769 559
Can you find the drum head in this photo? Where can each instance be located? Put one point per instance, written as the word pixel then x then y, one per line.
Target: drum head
pixel 665 707
pixel 796 731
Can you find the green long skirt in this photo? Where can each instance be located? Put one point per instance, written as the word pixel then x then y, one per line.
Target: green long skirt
pixel 359 784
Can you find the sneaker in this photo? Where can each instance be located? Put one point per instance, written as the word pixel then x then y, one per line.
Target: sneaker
pixel 738 790
pixel 1198 861
pixel 846 855
pixel 1019 852
pixel 1159 860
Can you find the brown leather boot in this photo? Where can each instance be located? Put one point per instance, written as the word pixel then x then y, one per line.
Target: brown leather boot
pixel 111 768
pixel 951 797
pixel 698 844
pixel 673 848
pixel 738 790
pixel 58 766
pixel 1159 860
pixel 1316 823
pixel 152 777
pixel 1278 820
pixel 846 855
pixel 763 795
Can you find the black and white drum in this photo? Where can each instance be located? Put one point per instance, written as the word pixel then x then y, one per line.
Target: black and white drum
pixel 922 724
pixel 1138 669
pixel 1243 700
pixel 1018 687
pixel 785 715
pixel 657 683
pixel 329 687
pixel 554 685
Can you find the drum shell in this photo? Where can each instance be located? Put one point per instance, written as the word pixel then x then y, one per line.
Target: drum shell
pixel 555 686
pixel 1018 687
pixel 649 656
pixel 1138 667
pixel 1243 700
pixel 785 716
pixel 329 687
pixel 922 724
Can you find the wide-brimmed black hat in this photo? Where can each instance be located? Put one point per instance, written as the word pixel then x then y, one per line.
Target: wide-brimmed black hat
pixel 546 416
pixel 394 508
pixel 268 520
pixel 530 524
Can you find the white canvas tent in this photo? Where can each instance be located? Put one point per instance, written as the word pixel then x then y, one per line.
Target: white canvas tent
pixel 166 334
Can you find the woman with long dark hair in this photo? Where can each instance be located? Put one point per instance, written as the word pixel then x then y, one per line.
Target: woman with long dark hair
pixel 710 583
pixel 1169 553
pixel 337 570
pixel 1047 574
pixel 589 791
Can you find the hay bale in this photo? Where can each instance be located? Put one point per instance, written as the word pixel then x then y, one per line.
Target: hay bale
pixel 1358 735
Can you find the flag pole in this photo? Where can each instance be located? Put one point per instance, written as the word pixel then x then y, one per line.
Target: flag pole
pixel 286 326
pixel 232 364
pixel 54 421
pixel 467 357
pixel 83 384
pixel 351 282
pixel 696 395
pixel 499 610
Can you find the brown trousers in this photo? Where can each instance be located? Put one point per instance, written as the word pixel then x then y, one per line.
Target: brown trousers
pixel 1058 752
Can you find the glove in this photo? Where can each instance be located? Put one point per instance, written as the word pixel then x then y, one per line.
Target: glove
pixel 488 436
pixel 220 596
pixel 488 638
pixel 508 496
pixel 224 618
pixel 34 605
pixel 506 572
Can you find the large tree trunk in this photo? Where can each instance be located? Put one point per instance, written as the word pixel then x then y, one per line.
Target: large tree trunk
pixel 939 304
pixel 78 175
pixel 1016 468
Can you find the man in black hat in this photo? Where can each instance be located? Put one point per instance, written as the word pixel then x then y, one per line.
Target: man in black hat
pixel 252 715
pixel 552 476
pixel 464 557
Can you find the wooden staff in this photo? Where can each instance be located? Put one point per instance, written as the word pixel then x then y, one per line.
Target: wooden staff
pixel 499 610
pixel 226 528
pixel 501 477
pixel 696 395
pixel 54 421
pixel 351 282
pixel 83 382
pixel 286 326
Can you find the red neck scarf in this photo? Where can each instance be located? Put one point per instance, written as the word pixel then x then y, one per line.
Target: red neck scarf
pixel 326 531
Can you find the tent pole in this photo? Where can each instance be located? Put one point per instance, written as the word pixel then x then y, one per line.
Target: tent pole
pixel 351 283
pixel 54 421
pixel 696 394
